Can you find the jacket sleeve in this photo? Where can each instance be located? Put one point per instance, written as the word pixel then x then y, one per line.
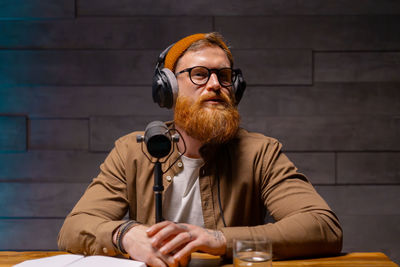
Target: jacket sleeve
pixel 305 225
pixel 89 227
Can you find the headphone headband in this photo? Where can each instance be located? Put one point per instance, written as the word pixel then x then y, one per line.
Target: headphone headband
pixel 163 54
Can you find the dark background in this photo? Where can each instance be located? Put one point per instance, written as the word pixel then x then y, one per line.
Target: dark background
pixel 323 77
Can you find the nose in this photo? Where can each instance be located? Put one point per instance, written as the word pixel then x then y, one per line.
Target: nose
pixel 213 83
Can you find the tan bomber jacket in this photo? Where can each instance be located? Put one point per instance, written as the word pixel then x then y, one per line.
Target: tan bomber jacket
pixel 253 174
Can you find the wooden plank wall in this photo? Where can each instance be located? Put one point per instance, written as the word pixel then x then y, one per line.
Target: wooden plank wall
pixel 323 77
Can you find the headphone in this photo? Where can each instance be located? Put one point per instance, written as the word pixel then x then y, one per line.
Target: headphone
pixel 165 85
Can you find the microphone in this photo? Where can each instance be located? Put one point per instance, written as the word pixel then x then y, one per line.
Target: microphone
pixel 157 139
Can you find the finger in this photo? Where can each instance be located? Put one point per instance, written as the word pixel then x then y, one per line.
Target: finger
pixel 177 249
pixel 169 260
pixel 179 241
pixel 186 251
pixel 167 233
pixel 157 227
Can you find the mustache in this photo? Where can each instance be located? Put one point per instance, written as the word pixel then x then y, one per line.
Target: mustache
pixel 221 97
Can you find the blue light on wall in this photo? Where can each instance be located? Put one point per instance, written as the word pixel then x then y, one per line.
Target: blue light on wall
pixel 12 133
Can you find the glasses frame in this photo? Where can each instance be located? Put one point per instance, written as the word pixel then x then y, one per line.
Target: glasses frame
pixel 210 72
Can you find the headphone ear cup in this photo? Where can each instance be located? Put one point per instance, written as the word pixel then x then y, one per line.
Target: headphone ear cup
pixel 165 88
pixel 239 86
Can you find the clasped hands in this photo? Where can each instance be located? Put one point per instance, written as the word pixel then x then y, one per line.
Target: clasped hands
pixel 171 244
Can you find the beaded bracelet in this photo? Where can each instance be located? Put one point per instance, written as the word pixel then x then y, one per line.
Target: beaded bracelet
pixel 122 230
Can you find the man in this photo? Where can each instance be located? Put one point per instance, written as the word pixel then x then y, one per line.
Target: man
pixel 217 191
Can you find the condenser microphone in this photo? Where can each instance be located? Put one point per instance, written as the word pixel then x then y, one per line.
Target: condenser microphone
pixel 157 139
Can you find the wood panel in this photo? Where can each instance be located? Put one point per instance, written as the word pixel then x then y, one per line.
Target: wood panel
pixel 101 33
pixel 333 33
pixel 53 67
pixel 372 233
pixel 357 67
pixel 296 133
pixel 78 101
pixel 44 9
pixel 137 67
pixel 38 200
pixel 12 133
pixel 50 166
pixel 275 66
pixel 236 7
pixel 365 33
pixel 34 202
pixel 322 99
pixel 369 216
pixel 29 234
pixel 104 131
pixel 368 168
pixel 330 133
pixel 59 134
pixel 318 167
pixel 379 200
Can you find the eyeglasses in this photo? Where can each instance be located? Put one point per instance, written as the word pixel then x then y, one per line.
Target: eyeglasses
pixel 200 75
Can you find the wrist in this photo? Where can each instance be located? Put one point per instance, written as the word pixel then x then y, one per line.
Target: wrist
pixel 223 242
pixel 118 236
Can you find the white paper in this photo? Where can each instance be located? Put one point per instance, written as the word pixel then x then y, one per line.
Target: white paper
pixel 80 261
pixel 104 261
pixel 59 260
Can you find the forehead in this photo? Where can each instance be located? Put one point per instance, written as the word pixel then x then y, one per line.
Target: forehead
pixel 208 56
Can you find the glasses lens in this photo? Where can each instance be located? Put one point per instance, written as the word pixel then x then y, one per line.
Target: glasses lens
pixel 199 75
pixel 225 77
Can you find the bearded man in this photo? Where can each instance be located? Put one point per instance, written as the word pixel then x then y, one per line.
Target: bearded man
pixel 217 191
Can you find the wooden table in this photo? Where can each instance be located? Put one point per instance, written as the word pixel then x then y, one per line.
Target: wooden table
pixel 376 259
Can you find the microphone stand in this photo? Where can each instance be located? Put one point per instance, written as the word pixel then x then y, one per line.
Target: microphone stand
pixel 158 140
pixel 158 189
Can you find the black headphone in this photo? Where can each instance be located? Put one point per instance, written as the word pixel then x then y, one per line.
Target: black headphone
pixel 165 85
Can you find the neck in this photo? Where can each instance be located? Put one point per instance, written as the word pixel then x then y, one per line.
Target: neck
pixel 192 145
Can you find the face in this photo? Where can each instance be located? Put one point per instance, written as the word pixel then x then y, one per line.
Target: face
pixel 206 112
pixel 212 57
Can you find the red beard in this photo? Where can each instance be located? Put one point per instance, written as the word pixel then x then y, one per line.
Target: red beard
pixel 209 123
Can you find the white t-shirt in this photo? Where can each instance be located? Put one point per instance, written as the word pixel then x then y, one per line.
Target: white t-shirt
pixel 182 201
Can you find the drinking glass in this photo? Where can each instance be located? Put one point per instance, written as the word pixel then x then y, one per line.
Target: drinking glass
pixel 255 253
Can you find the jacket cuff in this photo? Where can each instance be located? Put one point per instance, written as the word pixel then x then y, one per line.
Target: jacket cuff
pixel 104 244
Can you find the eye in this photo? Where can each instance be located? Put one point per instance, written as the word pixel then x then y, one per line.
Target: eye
pixel 199 73
pixel 225 76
